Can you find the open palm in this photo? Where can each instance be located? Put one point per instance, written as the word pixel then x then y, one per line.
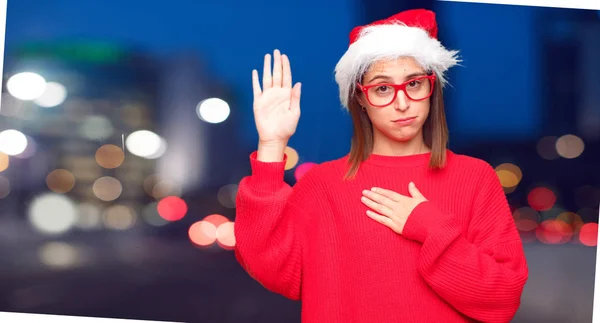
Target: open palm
pixel 277 104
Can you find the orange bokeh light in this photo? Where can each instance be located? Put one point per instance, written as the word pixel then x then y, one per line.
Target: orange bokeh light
pixel 202 233
pixel 225 235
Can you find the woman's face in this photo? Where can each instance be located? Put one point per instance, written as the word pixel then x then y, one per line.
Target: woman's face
pixel 403 119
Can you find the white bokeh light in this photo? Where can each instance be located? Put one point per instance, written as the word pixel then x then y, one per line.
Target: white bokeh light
pixel 96 127
pixel 145 144
pixel 54 94
pixel 12 142
pixel 26 86
pixel 52 213
pixel 213 110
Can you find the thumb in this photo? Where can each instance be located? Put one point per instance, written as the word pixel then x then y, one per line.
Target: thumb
pixel 295 101
pixel 414 192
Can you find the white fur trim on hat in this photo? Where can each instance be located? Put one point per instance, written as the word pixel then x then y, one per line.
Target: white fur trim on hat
pixel 391 41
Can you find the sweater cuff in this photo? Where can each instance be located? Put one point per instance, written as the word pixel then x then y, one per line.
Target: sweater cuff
pixel 421 221
pixel 267 176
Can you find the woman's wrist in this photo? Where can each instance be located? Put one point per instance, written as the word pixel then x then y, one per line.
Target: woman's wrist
pixel 271 151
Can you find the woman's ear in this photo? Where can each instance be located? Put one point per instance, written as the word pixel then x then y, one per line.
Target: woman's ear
pixel 360 99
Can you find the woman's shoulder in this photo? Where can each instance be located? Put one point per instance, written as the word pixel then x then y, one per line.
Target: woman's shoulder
pixel 324 172
pixel 472 165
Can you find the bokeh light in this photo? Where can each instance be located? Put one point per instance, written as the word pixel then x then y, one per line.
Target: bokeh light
pixel 88 217
pixel 172 208
pixel 96 127
pixel 52 213
pixel 227 195
pixel 554 232
pixel 26 86
pixel 30 149
pixel 202 233
pixel 569 146
pixel 225 235
pixel 509 175
pixel 119 217
pixel 164 188
pixel 292 158
pixel 58 255
pixel 145 144
pixel 60 181
pixel 110 156
pixel 4 162
pixel 213 110
pixel 526 219
pixel 572 219
pixel 12 142
pixel 107 188
pixel 303 169
pixel 54 94
pixel 216 219
pixel 541 198
pixel 588 234
pixel 151 216
pixel 546 148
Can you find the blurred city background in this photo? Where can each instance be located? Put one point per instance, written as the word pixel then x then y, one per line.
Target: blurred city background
pixel 125 127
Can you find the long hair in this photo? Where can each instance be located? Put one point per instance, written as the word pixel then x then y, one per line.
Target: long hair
pixel 435 132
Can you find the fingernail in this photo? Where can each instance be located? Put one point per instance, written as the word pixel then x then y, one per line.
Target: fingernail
pixel 411 184
pixel 374 189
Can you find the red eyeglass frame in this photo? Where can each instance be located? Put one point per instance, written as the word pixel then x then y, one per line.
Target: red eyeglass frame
pixel 398 87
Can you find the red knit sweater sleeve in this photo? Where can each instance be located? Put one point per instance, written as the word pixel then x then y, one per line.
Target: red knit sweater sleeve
pixel 480 271
pixel 268 227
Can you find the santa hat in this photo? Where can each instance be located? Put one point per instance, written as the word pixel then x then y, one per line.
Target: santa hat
pixel 410 33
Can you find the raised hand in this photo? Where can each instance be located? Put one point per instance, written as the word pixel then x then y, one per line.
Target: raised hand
pixel 277 104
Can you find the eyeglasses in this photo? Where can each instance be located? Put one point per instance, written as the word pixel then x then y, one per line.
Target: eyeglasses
pixel 383 94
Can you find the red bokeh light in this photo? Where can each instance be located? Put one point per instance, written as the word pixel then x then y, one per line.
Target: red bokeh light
pixel 554 232
pixel 588 234
pixel 302 169
pixel 541 198
pixel 216 219
pixel 172 208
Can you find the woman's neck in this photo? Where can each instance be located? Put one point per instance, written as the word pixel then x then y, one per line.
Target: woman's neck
pixel 385 146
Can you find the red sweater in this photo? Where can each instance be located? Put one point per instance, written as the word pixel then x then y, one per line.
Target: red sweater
pixel 459 258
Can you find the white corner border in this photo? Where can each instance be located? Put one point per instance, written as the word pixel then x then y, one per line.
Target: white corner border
pixel 567 4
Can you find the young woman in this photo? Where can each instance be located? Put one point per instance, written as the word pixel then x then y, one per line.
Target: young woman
pixel 401 229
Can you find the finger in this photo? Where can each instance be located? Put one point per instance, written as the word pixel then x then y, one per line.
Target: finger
pixel 267 80
pixel 379 198
pixel 379 208
pixel 414 191
pixel 277 68
pixel 256 84
pixel 388 193
pixel 296 91
pixel 381 219
pixel 287 71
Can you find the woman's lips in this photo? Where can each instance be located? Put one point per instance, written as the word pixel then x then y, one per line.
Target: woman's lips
pixel 404 121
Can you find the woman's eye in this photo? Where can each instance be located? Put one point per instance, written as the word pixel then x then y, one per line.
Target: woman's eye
pixel 382 89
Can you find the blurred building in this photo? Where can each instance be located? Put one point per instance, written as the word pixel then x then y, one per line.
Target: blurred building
pixel 95 96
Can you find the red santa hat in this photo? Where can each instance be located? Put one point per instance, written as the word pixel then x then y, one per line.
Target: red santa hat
pixel 411 33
